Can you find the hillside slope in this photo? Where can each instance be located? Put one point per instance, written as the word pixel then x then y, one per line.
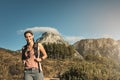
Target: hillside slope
pixel 105 47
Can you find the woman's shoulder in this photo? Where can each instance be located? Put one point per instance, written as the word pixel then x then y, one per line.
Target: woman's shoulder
pixel 24 47
pixel 39 44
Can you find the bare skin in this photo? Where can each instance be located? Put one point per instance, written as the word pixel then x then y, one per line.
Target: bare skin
pixel 29 38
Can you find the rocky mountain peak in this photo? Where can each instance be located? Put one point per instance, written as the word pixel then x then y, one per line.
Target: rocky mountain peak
pixel 49 37
pixel 106 47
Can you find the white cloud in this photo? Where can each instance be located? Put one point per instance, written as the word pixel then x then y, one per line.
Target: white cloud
pixel 70 39
pixel 107 36
pixel 113 36
pixel 40 29
pixel 73 39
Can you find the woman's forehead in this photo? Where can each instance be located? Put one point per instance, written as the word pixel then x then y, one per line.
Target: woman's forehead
pixel 29 34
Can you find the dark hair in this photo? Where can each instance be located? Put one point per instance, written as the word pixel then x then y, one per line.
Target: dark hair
pixel 28 31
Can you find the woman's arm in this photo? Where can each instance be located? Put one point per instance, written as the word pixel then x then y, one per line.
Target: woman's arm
pixel 42 50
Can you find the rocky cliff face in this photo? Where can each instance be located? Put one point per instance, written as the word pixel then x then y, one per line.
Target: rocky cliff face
pixel 107 47
pixel 49 37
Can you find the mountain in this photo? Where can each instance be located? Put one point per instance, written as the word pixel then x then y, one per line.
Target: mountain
pixel 49 37
pixel 56 45
pixel 94 68
pixel 105 47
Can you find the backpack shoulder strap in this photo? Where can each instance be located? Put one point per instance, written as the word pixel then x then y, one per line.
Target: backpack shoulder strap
pixel 38 55
pixel 36 50
pixel 24 48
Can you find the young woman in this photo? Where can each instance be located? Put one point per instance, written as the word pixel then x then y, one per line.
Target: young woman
pixel 31 59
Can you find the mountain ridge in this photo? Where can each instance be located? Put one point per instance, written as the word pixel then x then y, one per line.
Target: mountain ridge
pixel 106 47
pixel 49 37
pixel 98 65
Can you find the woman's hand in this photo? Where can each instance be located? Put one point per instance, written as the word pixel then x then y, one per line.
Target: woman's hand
pixel 38 59
pixel 24 62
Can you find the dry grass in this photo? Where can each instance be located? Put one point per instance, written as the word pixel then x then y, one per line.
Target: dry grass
pixel 51 79
pixel 11 65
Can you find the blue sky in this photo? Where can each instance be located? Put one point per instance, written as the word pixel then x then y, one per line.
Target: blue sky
pixel 73 19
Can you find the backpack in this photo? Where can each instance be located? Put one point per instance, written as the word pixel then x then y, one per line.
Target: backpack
pixel 24 49
pixel 35 47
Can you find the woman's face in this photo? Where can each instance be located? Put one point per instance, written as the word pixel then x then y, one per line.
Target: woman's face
pixel 29 37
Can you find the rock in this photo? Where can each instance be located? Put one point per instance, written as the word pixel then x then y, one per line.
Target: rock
pixel 106 47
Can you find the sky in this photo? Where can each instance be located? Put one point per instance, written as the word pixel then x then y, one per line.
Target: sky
pixel 72 19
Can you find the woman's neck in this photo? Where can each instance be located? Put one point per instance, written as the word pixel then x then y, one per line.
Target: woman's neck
pixel 31 44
